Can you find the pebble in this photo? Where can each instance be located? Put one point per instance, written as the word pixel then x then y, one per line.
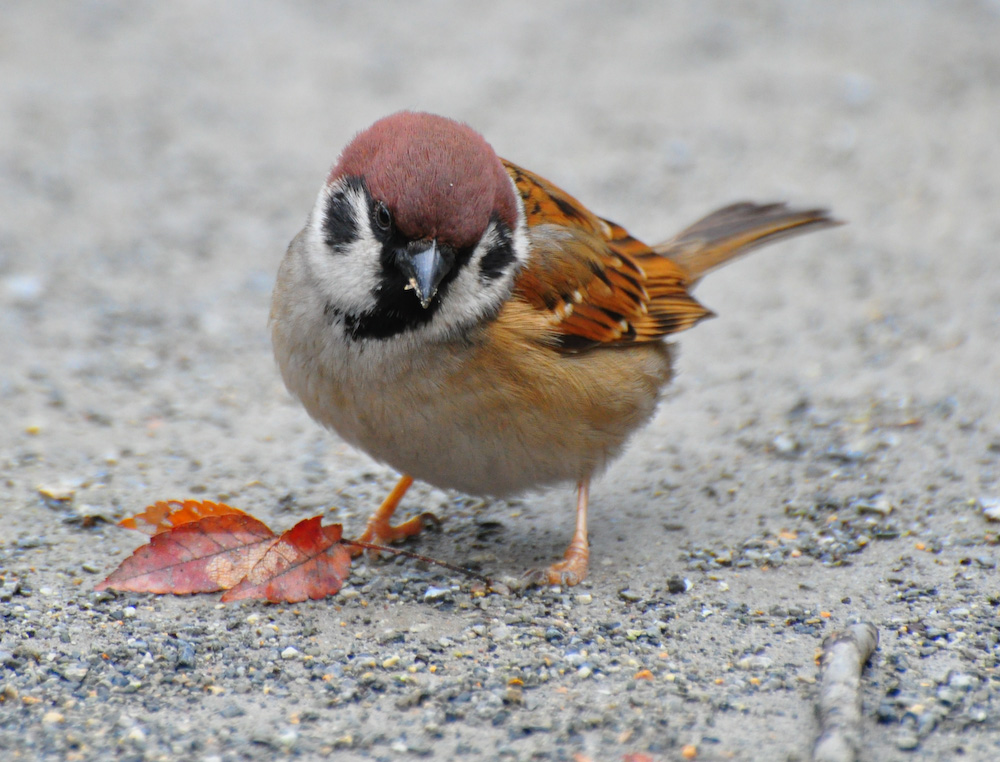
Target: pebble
pixel 186 656
pixel 879 506
pixel 290 653
pixel 755 662
pixel 785 446
pixel 436 593
pixel 9 589
pixel 990 507
pixel 678 585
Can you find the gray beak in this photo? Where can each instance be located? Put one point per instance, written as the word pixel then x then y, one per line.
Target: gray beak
pixel 424 265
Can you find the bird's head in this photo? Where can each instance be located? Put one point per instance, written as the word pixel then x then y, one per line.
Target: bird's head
pixel 418 227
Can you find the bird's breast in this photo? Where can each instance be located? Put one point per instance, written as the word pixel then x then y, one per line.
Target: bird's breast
pixel 493 414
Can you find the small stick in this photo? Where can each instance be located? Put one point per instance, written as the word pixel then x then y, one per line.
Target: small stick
pixel 839 704
pixel 400 552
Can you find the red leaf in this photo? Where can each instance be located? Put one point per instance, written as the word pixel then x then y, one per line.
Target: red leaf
pixel 167 514
pixel 307 561
pixel 213 553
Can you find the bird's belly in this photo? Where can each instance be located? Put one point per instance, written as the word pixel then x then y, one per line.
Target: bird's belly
pixel 491 429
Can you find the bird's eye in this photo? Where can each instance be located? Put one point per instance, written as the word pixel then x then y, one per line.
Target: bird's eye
pixel 383 218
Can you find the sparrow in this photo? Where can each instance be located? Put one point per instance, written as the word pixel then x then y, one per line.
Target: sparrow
pixel 471 325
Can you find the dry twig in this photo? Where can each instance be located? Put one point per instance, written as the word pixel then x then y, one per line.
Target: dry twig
pixel 839 705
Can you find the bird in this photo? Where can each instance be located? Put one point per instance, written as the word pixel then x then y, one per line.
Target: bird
pixel 471 325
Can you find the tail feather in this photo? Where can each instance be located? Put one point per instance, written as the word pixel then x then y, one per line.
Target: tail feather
pixel 736 229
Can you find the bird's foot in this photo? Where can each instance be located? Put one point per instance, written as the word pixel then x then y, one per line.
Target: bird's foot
pixel 380 532
pixel 569 572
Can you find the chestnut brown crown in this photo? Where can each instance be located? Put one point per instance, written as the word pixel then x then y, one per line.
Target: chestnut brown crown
pixel 439 177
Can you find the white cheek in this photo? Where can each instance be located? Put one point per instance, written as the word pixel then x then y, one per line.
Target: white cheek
pixel 470 297
pixel 347 278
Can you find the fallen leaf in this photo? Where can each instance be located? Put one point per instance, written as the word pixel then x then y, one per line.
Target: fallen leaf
pixel 307 561
pixel 213 553
pixel 168 514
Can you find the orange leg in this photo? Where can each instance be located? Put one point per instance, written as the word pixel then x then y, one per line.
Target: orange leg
pixel 573 568
pixel 380 531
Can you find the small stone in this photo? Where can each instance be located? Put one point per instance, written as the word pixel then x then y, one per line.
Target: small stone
pixel 991 508
pixel 961 681
pixel 9 589
pixel 136 736
pixel 287 738
pixel 785 446
pixel 187 655
pixel 56 494
pixel 231 711
pixel 53 718
pixel 585 598
pixel 755 662
pixel 948 696
pixel 886 713
pixel 879 506
pixel 290 653
pixel 75 673
pixel 678 585
pixel 907 740
pixel 629 595
pixel 978 714
pixel 436 593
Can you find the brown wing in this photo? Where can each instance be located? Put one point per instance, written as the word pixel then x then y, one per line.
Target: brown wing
pixel 598 284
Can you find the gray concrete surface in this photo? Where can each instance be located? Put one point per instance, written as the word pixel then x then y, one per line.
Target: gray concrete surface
pixel 829 452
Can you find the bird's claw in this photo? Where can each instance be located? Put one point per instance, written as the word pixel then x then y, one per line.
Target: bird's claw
pixel 383 533
pixel 563 573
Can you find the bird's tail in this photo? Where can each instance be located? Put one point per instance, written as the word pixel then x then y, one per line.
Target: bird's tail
pixel 734 230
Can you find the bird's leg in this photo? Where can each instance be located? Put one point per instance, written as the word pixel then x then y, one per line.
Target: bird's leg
pixel 573 568
pixel 380 531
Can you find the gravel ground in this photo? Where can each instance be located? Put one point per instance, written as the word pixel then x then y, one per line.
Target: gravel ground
pixel 830 452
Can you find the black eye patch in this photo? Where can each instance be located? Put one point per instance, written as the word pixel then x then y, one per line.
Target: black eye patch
pixel 500 254
pixel 340 227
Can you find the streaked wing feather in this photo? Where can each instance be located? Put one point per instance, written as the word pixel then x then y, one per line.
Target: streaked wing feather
pixel 598 284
